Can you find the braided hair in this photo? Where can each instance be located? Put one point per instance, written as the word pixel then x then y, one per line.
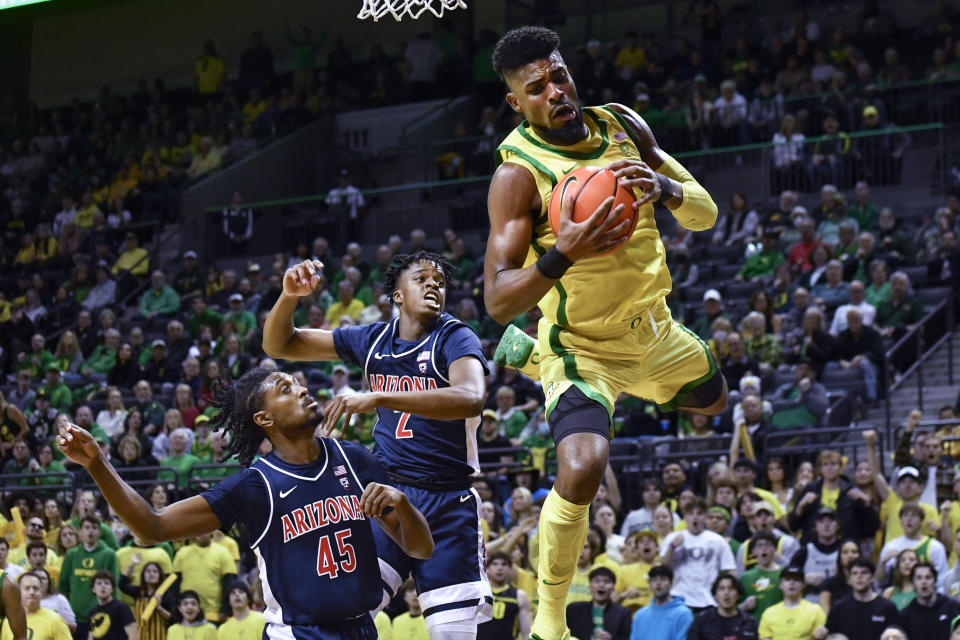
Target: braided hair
pixel 401 262
pixel 238 402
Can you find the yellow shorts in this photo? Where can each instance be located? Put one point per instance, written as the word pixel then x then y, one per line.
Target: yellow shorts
pixel 658 360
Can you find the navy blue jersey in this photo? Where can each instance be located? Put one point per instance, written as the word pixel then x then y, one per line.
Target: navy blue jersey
pixel 407 444
pixel 314 547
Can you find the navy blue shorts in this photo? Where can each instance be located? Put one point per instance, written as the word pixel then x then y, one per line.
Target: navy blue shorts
pixel 361 628
pixel 452 584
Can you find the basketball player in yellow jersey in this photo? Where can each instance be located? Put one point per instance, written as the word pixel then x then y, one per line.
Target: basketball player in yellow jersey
pixel 606 328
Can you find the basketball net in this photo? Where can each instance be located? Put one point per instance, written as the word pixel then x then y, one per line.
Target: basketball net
pixel 377 9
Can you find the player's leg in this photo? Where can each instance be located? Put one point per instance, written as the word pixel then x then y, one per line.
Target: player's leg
pixel 709 397
pixel 395 566
pixel 452 584
pixel 581 429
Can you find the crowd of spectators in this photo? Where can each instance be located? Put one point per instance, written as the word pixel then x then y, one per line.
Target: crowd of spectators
pixel 791 300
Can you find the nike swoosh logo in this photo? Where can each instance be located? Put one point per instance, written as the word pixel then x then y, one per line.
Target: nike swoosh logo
pixel 464 498
pixel 284 494
pixel 569 170
pixel 553 584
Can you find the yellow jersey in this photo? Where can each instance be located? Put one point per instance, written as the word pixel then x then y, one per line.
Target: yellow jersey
pixel 42 624
pixel 890 515
pixel 383 624
pixel 634 576
pixel 201 569
pixel 407 627
pixel 797 623
pixel 250 628
pixel 637 271
pixel 202 631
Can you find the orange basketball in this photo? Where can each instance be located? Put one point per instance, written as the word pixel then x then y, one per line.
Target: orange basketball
pixel 590 186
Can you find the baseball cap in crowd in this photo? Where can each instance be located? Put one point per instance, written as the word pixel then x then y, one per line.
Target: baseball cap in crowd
pixel 344 172
pixel 236 298
pixel 323 393
pixel 908 471
pixel 191 254
pixel 792 571
pixel 750 382
pixel 53 367
pixel 826 513
pixel 158 343
pixel 340 368
pixel 647 532
pixel 489 413
pixel 643 98
pixel 200 418
pixel 253 268
pixel 869 110
pixel 763 505
pixel 41 395
pixel 712 294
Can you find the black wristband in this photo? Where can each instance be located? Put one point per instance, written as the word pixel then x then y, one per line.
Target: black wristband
pixel 666 187
pixel 553 264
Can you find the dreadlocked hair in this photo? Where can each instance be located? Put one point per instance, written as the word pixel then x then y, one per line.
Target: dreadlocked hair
pixel 238 402
pixel 522 46
pixel 401 262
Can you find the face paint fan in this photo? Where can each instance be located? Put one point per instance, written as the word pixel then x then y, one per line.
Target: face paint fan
pixel 377 9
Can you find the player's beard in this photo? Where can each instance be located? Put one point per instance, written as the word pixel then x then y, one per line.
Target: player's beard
pixel 570 132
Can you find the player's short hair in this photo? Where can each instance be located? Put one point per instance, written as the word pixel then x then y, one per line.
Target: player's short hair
pixel 522 46
pixel 402 262
pixel 103 575
pixel 35 544
pixel 238 402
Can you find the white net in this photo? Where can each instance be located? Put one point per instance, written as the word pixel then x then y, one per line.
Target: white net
pixel 377 9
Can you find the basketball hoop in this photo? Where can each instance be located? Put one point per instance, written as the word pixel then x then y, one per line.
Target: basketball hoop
pixel 377 9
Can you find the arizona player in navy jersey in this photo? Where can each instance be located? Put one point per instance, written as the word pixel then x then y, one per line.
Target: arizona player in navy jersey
pixel 307 506
pixel 425 372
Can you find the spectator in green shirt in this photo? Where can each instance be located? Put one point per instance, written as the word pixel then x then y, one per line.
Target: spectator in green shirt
pixel 80 564
pixel 37 361
pixel 243 321
pixel 512 420
pixel 761 584
pixel 304 53
pixel 379 271
pixel 354 276
pixel 879 289
pixel 763 264
pixel 862 210
pixel 60 395
pixel 160 298
pixel 179 458
pixel 103 358
pixel 901 312
pixel 203 316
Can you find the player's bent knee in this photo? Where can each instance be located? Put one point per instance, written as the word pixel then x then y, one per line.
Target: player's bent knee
pixel 709 398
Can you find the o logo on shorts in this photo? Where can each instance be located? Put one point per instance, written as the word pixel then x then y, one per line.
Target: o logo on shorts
pixel 636 322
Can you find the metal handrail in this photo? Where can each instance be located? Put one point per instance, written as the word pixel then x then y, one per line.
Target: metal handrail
pixel 917 335
pixel 67 484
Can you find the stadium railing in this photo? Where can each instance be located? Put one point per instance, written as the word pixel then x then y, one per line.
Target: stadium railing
pixel 917 346
pixel 461 204
pixel 12 482
pixel 512 459
pixel 807 443
pixel 200 482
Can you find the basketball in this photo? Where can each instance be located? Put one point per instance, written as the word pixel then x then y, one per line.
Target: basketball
pixel 590 186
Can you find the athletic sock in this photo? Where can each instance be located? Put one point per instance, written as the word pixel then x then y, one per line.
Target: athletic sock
pixel 518 351
pixel 563 528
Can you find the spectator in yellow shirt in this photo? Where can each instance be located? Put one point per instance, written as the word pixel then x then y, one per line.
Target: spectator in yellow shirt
pixel 205 567
pixel 631 58
pixel 210 70
pixel 254 107
pixel 346 305
pixel 123 185
pixel 243 624
pixel 205 160
pixel 410 625
pixel 134 258
pixel 84 218
pixel 28 251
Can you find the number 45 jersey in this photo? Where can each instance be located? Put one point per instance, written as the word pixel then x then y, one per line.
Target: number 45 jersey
pixel 408 445
pixel 314 546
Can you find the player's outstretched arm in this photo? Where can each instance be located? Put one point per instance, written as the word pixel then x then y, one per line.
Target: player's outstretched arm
pixel 13 609
pixel 461 400
pixel 509 288
pixel 662 178
pixel 280 338
pixel 405 524
pixel 184 519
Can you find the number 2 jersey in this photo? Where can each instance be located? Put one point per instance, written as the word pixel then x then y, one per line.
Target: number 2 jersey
pixel 314 546
pixel 409 445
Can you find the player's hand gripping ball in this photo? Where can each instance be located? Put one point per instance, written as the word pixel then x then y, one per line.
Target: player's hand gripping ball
pixel 590 186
